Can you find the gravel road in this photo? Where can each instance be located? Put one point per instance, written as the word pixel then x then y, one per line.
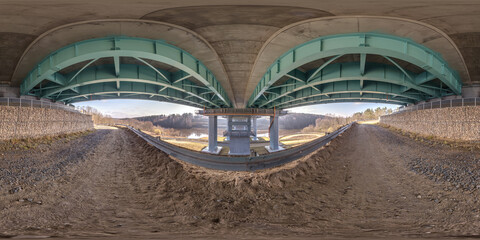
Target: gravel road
pixel 370 182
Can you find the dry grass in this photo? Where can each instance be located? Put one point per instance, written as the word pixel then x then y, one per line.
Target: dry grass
pixel 370 122
pixel 32 143
pixel 187 144
pixel 219 139
pixel 299 139
pixel 105 127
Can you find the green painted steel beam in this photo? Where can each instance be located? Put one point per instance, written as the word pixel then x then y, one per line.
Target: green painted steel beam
pixel 131 88
pixel 363 60
pixel 348 97
pixel 57 78
pixel 130 74
pixel 116 47
pixel 359 43
pixel 314 74
pixel 348 100
pixel 349 87
pixel 342 72
pixel 123 95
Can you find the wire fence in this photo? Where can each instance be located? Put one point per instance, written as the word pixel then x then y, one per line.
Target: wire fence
pixel 462 102
pixel 31 103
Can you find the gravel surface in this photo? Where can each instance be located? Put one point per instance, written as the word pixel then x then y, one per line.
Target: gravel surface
pixel 46 161
pixel 360 186
pixel 459 166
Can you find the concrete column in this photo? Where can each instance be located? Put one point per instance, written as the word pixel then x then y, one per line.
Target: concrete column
pixel 7 91
pixel 229 127
pixel 212 136
pixel 254 128
pixel 240 135
pixel 471 91
pixel 274 134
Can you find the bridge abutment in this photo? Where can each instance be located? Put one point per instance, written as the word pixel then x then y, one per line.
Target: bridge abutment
pixel 455 123
pixel 7 91
pixel 22 118
pixel 471 91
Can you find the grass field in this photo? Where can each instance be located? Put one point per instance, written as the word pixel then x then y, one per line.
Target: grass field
pixel 188 145
pixel 295 140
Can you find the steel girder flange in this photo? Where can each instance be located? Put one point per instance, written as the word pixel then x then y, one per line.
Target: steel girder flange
pixel 140 49
pixel 333 47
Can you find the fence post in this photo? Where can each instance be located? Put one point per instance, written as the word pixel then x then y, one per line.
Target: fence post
pixel 451 102
pixel 462 102
pixel 31 103
pixel 440 103
pixel 8 102
pixel 475 101
pixel 20 102
pixel 431 105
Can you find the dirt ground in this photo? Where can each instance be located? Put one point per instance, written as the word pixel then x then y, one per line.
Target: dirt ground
pixel 111 184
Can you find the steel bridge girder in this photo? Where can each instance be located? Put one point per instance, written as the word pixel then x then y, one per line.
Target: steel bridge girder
pixel 358 43
pixel 116 47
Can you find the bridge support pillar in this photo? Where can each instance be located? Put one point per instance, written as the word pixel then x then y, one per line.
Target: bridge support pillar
pixel 212 136
pixel 273 134
pixel 254 128
pixel 229 127
pixel 239 128
pixel 7 91
pixel 239 133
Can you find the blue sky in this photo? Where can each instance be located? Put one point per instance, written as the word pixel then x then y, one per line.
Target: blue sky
pixel 121 108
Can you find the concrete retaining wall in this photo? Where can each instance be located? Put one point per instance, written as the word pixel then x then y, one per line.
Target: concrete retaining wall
pixel 458 123
pixel 23 122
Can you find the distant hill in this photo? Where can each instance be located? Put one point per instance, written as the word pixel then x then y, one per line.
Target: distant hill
pixel 299 120
pixel 178 121
pixel 188 120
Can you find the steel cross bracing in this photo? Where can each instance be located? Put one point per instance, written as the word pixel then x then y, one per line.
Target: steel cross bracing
pixel 191 84
pixel 390 83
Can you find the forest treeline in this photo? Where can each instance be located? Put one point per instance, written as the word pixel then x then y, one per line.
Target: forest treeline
pixel 330 123
pixel 104 119
pixel 168 124
pixel 178 121
pixel 299 120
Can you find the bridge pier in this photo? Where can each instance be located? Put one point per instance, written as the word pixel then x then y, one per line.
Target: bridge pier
pixel 212 136
pixel 273 134
pixel 239 133
pixel 254 128
pixel 471 91
pixel 239 128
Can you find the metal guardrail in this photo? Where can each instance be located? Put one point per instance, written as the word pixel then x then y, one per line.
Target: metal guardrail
pixel 239 163
pixel 19 102
pixel 441 104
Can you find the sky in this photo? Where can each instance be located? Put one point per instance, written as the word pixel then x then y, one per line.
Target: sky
pixel 126 108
